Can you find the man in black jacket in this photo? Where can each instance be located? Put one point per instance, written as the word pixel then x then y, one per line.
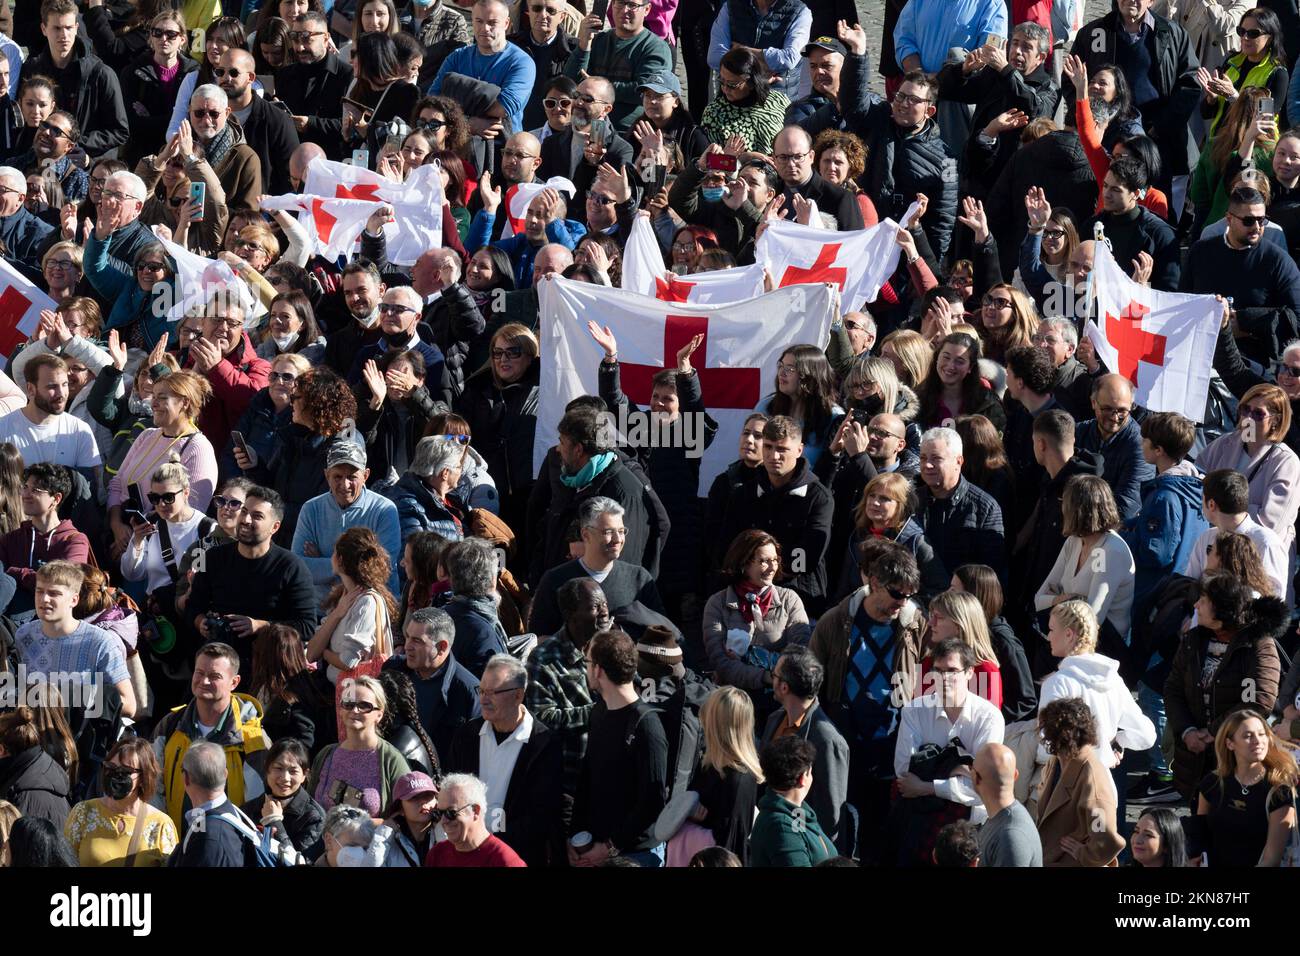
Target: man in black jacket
pixel 268 128
pixel 1132 228
pixel 1156 57
pixel 446 694
pixel 792 150
pixel 572 154
pixel 820 109
pixel 88 89
pixel 518 758
pixel 362 290
pixel 314 87
pixel 211 838
pixel 789 503
pixel 1008 89
pixel 963 523
pixel 905 154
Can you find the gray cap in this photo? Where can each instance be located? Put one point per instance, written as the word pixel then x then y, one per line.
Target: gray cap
pixel 346 453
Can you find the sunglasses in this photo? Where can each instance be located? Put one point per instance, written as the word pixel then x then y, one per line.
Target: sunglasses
pixel 898 595
pixel 1246 34
pixel 551 103
pixel 158 34
pixel 458 439
pixel 513 352
pixel 446 816
pixel 997 303
pixel 48 127
pixel 1250 222
pixel 1292 370
pixel 601 200
pixel 1255 414
pixel 1053 233
pixel 176 201
pixel 433 125
pixel 150 267
pixel 360 706
pixel 287 378
pixel 394 309
pixel 304 36
pixel 223 502
pixel 226 71
pixel 166 498
pixel 213 115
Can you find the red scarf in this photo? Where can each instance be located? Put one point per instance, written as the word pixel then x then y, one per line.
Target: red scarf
pixel 763 596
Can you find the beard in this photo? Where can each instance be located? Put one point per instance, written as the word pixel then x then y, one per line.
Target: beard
pixel 50 406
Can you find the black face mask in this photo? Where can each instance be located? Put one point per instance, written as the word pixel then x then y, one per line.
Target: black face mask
pixel 397 339
pixel 872 404
pixel 118 783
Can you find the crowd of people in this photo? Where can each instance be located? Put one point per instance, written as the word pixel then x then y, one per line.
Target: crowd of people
pixel 958 599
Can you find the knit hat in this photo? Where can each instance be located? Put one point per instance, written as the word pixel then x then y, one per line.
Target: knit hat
pixel 658 653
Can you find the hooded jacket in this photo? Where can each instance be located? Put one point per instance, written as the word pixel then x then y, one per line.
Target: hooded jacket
pixel 798 515
pixel 35 783
pixel 90 91
pixel 25 549
pixel 479 633
pixel 1171 519
pixel 1249 664
pixel 1095 678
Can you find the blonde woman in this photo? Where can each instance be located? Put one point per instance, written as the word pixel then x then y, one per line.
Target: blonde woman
pixel 957 614
pixel 885 510
pixel 177 399
pixel 9 814
pixel 1246 808
pixel 910 354
pixel 362 768
pixel 728 778
pixel 149 558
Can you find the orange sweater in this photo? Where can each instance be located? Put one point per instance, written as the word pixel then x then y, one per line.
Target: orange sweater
pixel 1099 159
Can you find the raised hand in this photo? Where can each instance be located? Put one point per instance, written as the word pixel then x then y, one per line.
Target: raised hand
pixel 1074 68
pixel 686 351
pixel 853 37
pixel 974 217
pixel 375 379
pixel 734 194
pixel 615 180
pixel 1005 122
pixel 802 209
pixel 116 349
pixel 1037 208
pixel 1142 266
pixel 906 243
pixel 604 338
pixel 734 145
pixel 156 353
pixel 491 195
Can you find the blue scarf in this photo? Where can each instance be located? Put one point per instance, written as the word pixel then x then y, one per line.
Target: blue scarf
pixel 594 466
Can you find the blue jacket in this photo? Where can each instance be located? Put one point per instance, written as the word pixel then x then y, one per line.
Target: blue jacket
pixel 520 249
pixel 1123 466
pixel 419 510
pixel 260 425
pixel 479 633
pixel 446 701
pixel 130 302
pixel 26 237
pixel 1162 535
pixel 512 69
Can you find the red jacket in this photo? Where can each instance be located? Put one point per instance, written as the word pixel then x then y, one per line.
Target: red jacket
pixel 235 380
pixel 24 548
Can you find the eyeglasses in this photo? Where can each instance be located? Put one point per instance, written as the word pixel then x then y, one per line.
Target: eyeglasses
pixel 787 369
pixel 586 99
pixel 448 815
pixel 60 264
pixel 190 333
pixel 1113 412
pixel 499 690
pixel 1246 34
pixel 684 246
pixel 304 36
pixel 1250 222
pixel 166 498
pixel 226 71
pixel 284 378
pixel 907 99
pixel 898 595
pixel 360 706
pixel 234 504
pixel 600 200
pixel 248 245
pixel 1292 370
pixel 158 34
pixel 218 322
pixel 734 84
pixel 176 201
pixel 882 434
pixel 997 303
pixel 563 103
pixel 116 196
pixel 213 115
pixel 150 267
pixel 17 192
pixel 56 132
pixel 1054 234
pixel 392 308
pixel 516 154
pixel 513 352
pixel 791 157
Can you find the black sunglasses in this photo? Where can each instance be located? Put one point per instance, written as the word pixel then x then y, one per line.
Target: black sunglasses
pixel 898 595
pixel 222 501
pixel 166 498
pixel 1246 34
pixel 361 706
pixel 442 816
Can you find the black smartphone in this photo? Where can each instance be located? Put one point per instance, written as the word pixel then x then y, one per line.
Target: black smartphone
pixel 238 439
pixel 600 8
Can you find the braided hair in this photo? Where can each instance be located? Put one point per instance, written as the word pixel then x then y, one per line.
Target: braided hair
pixel 401 707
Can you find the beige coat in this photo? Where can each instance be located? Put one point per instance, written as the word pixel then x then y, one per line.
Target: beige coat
pixel 1211 25
pixel 1080 803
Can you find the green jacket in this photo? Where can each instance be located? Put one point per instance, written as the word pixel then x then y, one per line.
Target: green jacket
pixel 786 835
pixel 392 767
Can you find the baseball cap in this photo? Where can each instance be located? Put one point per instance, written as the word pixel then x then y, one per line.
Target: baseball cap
pixel 662 83
pixel 826 43
pixel 412 785
pixel 346 453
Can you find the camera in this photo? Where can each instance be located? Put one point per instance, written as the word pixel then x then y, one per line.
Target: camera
pixel 219 628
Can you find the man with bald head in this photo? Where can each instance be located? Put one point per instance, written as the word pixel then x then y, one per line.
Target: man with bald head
pixel 520 160
pixel 268 128
pixel 574 153
pixel 493 59
pixel 1009 836
pixel 887 446
pixel 793 152
pixel 449 311
pixel 300 160
pixel 1115 435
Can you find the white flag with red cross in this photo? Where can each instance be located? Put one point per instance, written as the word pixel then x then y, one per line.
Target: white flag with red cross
pixel 21 303
pixel 644 272
pixel 417 202
pixel 1162 342
pixel 335 224
pixel 857 262
pixel 736 362
pixel 199 278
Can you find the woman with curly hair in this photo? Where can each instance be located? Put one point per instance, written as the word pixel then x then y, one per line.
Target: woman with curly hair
pixel 401 725
pixel 322 404
pixel 840 158
pixel 1076 808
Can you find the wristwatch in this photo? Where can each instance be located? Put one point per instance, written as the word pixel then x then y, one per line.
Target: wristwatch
pixel 613 850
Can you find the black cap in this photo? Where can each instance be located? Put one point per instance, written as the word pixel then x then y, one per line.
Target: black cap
pixel 826 43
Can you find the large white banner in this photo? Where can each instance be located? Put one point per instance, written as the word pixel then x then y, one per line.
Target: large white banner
pixel 21 303
pixel 417 203
pixel 1162 342
pixel 334 224
pixel 736 362
pixel 644 272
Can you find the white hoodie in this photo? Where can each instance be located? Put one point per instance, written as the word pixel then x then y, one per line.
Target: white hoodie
pixel 1095 678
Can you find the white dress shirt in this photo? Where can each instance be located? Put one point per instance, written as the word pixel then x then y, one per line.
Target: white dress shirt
pixel 924 721
pixel 496 762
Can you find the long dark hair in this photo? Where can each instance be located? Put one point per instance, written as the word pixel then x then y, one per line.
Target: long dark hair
pixel 982 452
pixel 1173 841
pixel 816 388
pixel 278 657
pixel 402 707
pixel 377 62
pixel 930 391
pixel 1123 101
pixel 1270 23
pixel 744 62
pixel 301 304
pixel 35 841
pixel 365 561
pixel 230 31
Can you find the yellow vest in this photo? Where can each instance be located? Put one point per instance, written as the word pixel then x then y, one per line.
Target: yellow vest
pixel 1258 76
pixel 251 740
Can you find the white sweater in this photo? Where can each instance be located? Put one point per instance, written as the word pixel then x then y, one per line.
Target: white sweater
pixel 1105 581
pixel 146 563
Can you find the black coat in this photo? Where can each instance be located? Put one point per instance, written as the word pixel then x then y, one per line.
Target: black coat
pixel 531 810
pixel 390 435
pixel 964 528
pixel 212 843
pixel 557 161
pixel 297 472
pixel 269 130
pixel 410 746
pixel 549 61
pixel 90 91
pixel 148 104
pixel 117 50
pixel 455 699
pixel 798 515
pixel 731 482
pixel 836 200
pixel 502 420
pixel 1019 695
pixel 316 90
pixel 34 782
pixel 303 822
pixel 310 718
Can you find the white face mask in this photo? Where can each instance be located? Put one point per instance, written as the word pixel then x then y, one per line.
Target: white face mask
pixel 353 856
pixel 371 320
pixel 282 342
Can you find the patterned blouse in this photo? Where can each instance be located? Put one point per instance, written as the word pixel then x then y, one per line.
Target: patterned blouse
pixel 757 125
pixel 100 837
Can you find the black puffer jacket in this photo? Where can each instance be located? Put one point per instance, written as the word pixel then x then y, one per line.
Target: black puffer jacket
pixel 502 420
pixel 900 165
pixel 390 433
pixel 303 821
pixel 1056 162
pixel 34 783
pixel 964 528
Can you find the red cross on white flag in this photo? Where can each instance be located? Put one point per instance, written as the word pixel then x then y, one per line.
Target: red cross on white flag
pixel 335 224
pixel 20 307
pixel 1163 342
pixel 736 363
pixel 416 201
pixel 644 271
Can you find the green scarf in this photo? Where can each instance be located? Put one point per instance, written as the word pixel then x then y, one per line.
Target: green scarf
pixel 594 466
